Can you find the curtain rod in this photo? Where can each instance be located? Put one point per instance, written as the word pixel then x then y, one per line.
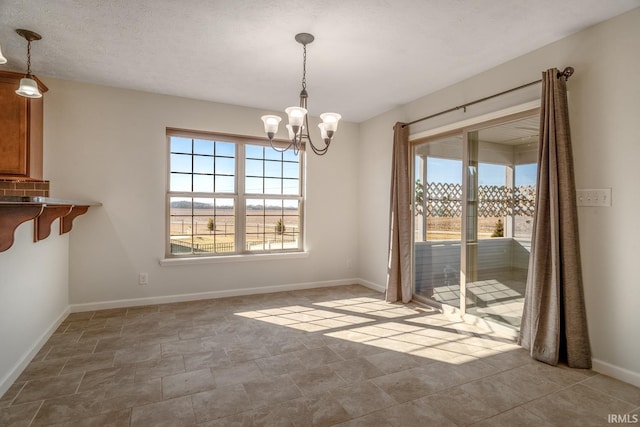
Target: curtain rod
pixel 566 73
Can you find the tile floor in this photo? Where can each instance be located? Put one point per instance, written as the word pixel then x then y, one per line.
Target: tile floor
pixel 497 295
pixel 331 356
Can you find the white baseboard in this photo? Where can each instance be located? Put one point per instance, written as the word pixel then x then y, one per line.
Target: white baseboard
pixel 166 299
pixel 24 361
pixel 616 372
pixel 371 285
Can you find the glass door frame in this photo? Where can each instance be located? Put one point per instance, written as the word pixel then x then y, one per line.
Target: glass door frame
pixel 450 130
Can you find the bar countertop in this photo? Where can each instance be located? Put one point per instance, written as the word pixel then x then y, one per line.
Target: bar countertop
pixel 48 201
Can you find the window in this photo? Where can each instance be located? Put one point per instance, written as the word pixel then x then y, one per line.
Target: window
pixel 231 195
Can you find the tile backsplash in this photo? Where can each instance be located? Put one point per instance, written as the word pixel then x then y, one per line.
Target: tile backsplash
pixel 24 188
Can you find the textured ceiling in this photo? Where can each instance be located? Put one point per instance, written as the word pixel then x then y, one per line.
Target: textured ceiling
pixel 368 57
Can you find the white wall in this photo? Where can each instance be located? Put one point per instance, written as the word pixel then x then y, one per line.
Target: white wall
pixel 34 297
pixel 109 145
pixel 603 96
pixel 374 180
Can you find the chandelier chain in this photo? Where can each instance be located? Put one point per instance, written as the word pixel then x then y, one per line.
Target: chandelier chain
pixel 28 57
pixel 304 67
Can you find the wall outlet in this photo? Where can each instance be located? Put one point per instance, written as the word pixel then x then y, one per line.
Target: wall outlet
pixel 143 279
pixel 594 197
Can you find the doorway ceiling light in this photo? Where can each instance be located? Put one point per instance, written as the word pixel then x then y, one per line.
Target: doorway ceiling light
pixel 28 86
pixel 298 126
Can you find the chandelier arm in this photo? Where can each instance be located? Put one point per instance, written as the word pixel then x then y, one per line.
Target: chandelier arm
pixel 317 150
pixel 298 139
pixel 306 123
pixel 281 150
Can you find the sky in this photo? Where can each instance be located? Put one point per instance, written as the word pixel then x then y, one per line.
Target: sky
pixel 267 171
pixel 450 171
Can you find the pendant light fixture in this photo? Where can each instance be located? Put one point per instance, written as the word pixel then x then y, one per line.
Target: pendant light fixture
pixel 3 60
pixel 298 126
pixel 28 86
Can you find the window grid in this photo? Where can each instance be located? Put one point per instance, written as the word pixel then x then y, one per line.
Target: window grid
pixel 272 226
pixel 222 219
pixel 197 230
pixel 271 172
pixel 205 172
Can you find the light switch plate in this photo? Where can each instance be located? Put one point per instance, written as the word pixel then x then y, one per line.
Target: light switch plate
pixel 594 197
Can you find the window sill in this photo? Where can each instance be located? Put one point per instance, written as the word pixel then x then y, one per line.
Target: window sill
pixel 232 258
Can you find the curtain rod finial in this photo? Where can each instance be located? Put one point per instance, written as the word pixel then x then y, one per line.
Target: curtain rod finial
pixel 566 73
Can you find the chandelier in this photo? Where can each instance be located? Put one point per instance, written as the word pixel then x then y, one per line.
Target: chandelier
pixel 298 126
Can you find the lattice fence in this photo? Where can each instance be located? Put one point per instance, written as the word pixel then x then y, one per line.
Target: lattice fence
pixel 444 200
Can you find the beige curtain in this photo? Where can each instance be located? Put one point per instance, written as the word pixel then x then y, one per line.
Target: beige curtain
pixel 554 324
pixel 399 287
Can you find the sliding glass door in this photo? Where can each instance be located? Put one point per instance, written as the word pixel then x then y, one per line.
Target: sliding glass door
pixel 474 199
pixel 438 220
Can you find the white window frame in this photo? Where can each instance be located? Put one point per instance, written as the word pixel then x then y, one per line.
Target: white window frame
pixel 239 196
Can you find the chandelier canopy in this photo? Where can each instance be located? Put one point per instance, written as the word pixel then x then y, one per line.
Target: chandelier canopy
pixel 298 126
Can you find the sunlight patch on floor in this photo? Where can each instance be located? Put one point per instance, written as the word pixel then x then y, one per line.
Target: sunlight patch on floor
pixel 305 318
pixel 408 329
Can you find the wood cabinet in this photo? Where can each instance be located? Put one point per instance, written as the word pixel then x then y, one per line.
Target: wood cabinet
pixel 20 130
